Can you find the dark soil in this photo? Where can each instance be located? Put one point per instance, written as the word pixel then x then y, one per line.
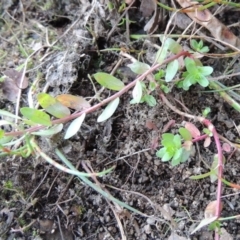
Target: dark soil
pixel 49 204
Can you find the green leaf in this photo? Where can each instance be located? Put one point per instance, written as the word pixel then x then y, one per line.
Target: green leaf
pixel 160 74
pixel 109 110
pixel 74 126
pixel 200 176
pixel 204 222
pixel 190 65
pixel 185 155
pixel 194 44
pixel 58 110
pixel 53 106
pixel 152 86
pixel 167 139
pixel 171 70
pixel 137 93
pixel 162 52
pixel 45 100
pixel 205 49
pixel 203 81
pixel 206 70
pixel 174 46
pixel 150 100
pixel 138 67
pixel 165 88
pixel 36 116
pixel 8 114
pixel 177 141
pixel 108 81
pixel 2 133
pixel 177 157
pixel 167 156
pixel 160 153
pixel 214 170
pixel 206 111
pixel 49 132
pixel 5 139
pixel 187 82
pixel 186 135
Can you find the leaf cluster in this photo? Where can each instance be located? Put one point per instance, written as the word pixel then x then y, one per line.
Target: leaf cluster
pixel 176 148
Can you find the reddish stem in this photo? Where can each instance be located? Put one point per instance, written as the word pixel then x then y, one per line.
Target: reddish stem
pixel 210 126
pixel 104 102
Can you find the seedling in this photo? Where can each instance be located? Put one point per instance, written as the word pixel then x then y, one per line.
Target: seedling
pixel 198 46
pixel 195 74
pixel 176 147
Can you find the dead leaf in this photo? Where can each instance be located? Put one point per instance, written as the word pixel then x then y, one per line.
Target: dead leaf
pixel 210 210
pixel 207 20
pixel 16 77
pixel 75 102
pixel 12 84
pixel 147 7
pixel 153 23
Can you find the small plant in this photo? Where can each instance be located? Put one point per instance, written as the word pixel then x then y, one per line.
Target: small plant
pixel 198 46
pixel 176 147
pixel 195 74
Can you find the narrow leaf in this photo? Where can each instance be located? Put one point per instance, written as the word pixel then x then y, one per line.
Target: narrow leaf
pixel 171 70
pixel 138 67
pixel 109 110
pixel 137 92
pixel 49 132
pixel 74 126
pixel 203 223
pixel 108 81
pixel 8 114
pixel 36 116
pixel 200 176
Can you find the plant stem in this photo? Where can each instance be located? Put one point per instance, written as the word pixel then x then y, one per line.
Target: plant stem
pixel 224 95
pixel 211 127
pixel 104 102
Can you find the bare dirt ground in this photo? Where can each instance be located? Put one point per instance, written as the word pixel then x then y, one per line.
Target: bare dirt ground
pixel 38 201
